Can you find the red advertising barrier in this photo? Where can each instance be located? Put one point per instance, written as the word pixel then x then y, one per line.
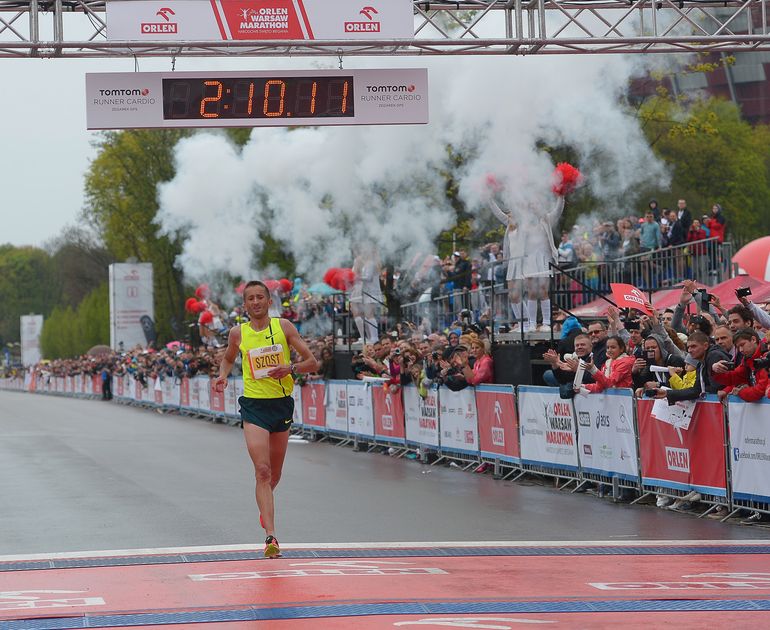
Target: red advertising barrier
pixel 216 399
pixel 388 415
pixel 684 459
pixel 313 408
pixel 97 383
pixel 498 423
pixel 157 392
pixel 184 392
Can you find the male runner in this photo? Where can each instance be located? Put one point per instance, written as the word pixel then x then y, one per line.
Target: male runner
pixel 267 407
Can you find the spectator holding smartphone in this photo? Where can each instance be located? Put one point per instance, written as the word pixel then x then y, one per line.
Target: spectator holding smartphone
pixel 616 371
pixel 761 316
pixel 748 380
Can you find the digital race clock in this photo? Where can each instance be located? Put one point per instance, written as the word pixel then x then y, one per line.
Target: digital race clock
pixel 256 99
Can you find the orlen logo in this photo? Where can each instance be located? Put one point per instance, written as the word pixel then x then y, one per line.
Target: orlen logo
pixel 636 296
pixel 150 28
pixel 390 88
pixel 371 26
pixel 678 459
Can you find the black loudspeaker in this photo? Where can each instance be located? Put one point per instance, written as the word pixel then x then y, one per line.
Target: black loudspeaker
pixel 342 366
pixel 512 364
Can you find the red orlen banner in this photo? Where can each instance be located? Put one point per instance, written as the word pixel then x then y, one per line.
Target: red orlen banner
pixel 216 398
pixel 628 296
pixel 184 392
pixel 313 405
pixel 198 20
pixel 389 424
pixel 498 422
pixel 684 459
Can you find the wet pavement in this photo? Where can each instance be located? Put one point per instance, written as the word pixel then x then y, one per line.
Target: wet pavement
pixel 89 475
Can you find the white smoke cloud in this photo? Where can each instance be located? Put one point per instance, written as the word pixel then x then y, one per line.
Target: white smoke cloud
pixel 320 190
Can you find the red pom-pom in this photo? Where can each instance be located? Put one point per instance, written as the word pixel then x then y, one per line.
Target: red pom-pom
pixel 566 178
pixel 206 318
pixel 239 289
pixel 493 183
pixel 330 275
pixel 199 307
pixel 271 285
pixel 190 304
pixel 342 279
pixel 286 285
pixel 202 292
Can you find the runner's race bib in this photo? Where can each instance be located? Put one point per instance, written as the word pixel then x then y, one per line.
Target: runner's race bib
pixel 262 360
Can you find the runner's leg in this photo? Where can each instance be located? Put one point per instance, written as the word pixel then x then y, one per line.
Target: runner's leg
pixel 278 444
pixel 258 445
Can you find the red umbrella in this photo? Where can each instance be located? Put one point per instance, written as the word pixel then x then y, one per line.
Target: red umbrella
pixel 754 258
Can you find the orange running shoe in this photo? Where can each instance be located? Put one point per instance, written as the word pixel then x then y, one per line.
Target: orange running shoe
pixel 272 550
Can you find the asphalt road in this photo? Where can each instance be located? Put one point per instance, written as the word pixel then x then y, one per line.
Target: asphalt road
pixel 79 475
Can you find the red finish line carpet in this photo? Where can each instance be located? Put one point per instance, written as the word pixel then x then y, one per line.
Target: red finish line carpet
pixel 490 585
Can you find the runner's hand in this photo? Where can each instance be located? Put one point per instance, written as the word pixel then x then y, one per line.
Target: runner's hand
pixel 220 383
pixel 280 372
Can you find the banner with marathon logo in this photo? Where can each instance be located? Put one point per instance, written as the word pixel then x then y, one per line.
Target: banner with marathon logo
pixel 337 406
pixel 259 20
pixel 684 459
pixel 421 417
pixel 606 434
pixel 750 449
pixel 548 436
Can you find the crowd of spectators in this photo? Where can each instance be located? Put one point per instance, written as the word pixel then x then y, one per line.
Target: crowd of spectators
pixel 681 354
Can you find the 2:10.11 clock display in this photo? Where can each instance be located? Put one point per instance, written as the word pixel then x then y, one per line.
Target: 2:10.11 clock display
pixel 266 97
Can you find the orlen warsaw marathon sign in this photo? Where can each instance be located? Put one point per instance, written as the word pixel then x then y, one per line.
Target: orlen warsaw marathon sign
pixel 201 20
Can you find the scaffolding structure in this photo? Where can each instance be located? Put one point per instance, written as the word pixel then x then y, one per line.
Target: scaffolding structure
pixel 55 28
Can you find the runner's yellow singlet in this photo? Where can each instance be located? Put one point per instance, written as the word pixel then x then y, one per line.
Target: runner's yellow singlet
pixel 260 352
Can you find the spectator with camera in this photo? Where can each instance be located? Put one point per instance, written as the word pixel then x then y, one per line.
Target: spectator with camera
pixel 616 371
pixel 761 316
pixel 749 380
pixel 699 348
pixel 654 355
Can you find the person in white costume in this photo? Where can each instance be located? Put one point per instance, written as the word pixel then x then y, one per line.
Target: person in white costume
pixel 365 294
pixel 529 248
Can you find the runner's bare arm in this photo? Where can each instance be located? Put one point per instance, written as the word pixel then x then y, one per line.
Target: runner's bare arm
pixel 231 353
pixel 308 363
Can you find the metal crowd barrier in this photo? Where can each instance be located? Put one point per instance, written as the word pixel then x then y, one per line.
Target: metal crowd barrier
pixel 720 452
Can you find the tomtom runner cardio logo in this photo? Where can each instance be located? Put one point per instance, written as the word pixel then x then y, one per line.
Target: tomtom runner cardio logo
pixel 390 88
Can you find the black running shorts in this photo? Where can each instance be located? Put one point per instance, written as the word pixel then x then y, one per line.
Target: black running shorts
pixel 273 414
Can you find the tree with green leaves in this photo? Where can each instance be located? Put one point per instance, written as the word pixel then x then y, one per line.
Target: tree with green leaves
pixel 122 203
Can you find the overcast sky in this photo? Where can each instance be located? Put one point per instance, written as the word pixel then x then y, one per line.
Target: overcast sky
pixel 46 148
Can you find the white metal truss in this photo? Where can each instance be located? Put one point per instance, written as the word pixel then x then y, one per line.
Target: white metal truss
pixel 468 27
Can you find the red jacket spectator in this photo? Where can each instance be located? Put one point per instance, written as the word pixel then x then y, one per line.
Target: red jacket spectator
pixel 716 223
pixel 698 234
pixel 716 228
pixel 615 373
pixel 483 370
pixel 756 381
